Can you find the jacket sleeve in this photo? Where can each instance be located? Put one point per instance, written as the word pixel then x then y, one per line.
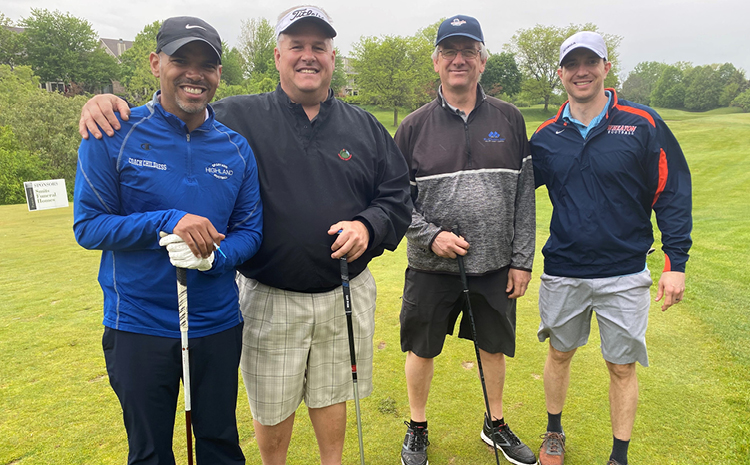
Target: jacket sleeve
pixel 98 222
pixel 420 232
pixel 524 237
pixel 387 216
pixel 245 228
pixel 672 201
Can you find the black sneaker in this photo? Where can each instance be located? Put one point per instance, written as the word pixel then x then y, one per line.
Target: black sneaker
pixel 414 451
pixel 512 448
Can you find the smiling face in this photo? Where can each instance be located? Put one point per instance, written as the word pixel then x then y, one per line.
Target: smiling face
pixel 188 79
pixel 459 74
pixel 582 73
pixel 305 59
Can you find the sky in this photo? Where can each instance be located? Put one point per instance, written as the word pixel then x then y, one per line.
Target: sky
pixel 697 31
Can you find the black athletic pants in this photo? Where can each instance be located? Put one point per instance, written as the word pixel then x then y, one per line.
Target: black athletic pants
pixel 145 373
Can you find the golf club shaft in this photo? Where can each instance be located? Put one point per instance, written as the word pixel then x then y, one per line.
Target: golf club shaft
pixel 352 353
pixel 465 282
pixel 182 300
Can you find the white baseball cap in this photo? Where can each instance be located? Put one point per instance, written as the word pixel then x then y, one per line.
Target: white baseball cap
pixel 306 13
pixel 584 39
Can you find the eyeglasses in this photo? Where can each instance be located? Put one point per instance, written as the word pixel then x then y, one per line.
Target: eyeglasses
pixel 467 53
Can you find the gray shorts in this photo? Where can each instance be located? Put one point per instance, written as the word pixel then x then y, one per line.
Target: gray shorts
pixel 295 346
pixel 621 304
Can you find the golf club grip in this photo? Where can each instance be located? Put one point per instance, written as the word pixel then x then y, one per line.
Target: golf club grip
pixel 348 310
pixel 182 303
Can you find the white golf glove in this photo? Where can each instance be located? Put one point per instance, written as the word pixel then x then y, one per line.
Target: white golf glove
pixel 182 257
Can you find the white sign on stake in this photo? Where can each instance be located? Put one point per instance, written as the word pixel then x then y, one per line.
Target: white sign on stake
pixel 43 195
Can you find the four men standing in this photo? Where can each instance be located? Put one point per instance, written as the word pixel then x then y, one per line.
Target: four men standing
pixel 334 184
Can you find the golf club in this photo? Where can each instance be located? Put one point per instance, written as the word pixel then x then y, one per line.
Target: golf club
pixel 462 271
pixel 348 310
pixel 182 298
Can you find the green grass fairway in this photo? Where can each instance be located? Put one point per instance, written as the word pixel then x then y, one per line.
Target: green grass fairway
pixel 56 405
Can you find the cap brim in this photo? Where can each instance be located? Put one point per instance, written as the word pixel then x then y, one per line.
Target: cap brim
pixel 459 34
pixel 175 45
pixel 326 26
pixel 576 48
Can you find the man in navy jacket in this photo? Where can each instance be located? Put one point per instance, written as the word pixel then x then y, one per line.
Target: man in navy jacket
pixel 607 164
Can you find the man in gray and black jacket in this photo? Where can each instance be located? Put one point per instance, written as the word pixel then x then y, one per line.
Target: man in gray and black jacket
pixel 472 184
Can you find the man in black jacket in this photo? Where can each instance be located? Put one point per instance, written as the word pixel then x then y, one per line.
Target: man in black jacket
pixel 334 184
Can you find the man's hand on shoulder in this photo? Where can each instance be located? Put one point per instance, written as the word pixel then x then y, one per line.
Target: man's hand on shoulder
pixel 518 281
pixel 99 112
pixel 352 241
pixel 671 288
pixel 448 245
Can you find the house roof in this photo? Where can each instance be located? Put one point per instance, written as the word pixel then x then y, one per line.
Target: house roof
pixel 115 47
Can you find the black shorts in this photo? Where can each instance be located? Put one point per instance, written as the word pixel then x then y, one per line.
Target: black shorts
pixel 432 303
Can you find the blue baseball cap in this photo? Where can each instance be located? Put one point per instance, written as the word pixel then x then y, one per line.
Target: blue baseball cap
pixel 460 25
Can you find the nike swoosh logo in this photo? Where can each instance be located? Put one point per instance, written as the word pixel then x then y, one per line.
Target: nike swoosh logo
pixel 558 132
pixel 187 26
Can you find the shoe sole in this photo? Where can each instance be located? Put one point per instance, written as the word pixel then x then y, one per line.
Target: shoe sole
pixel 489 442
pixel 426 463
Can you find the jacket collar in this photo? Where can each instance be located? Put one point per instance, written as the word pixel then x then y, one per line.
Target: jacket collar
pixel 481 97
pixel 612 104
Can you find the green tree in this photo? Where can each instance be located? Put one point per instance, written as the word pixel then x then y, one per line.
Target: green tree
pixel 16 167
pixel 391 71
pixel 12 44
pixel 704 90
pixel 742 101
pixel 139 83
pixel 537 51
pixel 338 80
pixel 256 42
pixel 641 81
pixel 61 47
pixel 733 81
pixel 501 75
pixel 669 91
pixel 232 66
pixel 45 124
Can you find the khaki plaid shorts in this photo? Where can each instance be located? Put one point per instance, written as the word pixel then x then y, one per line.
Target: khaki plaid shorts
pixel 295 346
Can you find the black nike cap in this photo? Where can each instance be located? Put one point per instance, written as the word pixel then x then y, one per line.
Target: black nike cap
pixel 180 30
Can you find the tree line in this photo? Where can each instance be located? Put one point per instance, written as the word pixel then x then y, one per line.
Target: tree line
pixel 38 129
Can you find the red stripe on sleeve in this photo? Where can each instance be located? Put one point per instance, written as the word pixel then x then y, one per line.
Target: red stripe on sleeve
pixel 667 263
pixel 663 173
pixel 638 112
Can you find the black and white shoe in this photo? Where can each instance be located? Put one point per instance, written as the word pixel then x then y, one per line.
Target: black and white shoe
pixel 512 448
pixel 414 450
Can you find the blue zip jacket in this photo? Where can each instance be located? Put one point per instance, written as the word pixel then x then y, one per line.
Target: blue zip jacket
pixel 603 189
pixel 144 180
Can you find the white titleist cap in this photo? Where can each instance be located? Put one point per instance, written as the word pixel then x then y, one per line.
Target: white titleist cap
pixel 306 13
pixel 585 39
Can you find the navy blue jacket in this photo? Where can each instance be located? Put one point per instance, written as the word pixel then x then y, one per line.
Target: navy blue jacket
pixel 603 189
pixel 142 181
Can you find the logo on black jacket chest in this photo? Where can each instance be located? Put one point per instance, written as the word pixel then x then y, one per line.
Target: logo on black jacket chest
pixel 345 155
pixel 494 136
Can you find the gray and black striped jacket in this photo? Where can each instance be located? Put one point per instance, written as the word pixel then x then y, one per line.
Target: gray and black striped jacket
pixel 474 174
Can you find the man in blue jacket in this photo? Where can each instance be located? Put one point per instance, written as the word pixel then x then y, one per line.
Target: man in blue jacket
pixel 172 169
pixel 607 164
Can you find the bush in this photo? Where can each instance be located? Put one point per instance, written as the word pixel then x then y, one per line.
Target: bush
pixel 16 167
pixel 742 101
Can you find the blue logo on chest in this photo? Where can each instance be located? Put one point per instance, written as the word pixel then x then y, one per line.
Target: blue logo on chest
pixel 494 137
